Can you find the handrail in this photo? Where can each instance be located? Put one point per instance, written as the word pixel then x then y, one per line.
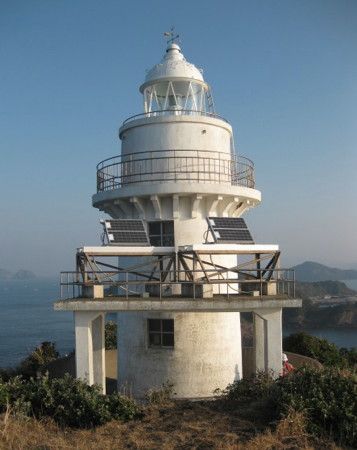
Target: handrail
pixel 160 166
pixel 174 112
pixel 72 282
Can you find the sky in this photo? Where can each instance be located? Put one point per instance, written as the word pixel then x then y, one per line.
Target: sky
pixel 284 73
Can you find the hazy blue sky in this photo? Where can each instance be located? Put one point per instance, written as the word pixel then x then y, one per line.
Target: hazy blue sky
pixel 284 73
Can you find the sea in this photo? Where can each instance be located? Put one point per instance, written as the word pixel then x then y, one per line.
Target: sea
pixel 27 318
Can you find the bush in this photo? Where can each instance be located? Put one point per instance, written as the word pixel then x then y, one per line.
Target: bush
pixel 256 387
pixel 160 395
pixel 42 355
pixel 110 335
pixel 322 350
pixel 327 397
pixel 69 401
pixel 122 407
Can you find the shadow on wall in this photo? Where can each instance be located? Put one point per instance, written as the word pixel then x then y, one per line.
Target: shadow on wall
pixel 67 364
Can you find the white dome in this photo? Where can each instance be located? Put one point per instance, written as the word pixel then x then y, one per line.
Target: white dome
pixel 173 65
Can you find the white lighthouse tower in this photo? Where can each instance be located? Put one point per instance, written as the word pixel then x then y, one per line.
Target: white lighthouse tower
pixel 179 182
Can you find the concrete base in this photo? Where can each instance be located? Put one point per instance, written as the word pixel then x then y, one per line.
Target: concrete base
pixel 206 354
pixel 94 291
pixel 268 340
pixel 90 347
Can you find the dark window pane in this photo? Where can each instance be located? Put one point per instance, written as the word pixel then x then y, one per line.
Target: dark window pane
pixel 154 227
pixel 168 241
pixel 155 241
pixel 155 339
pixel 168 227
pixel 168 325
pixel 168 340
pixel 154 325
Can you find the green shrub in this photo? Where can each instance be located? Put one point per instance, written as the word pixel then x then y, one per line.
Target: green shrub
pixel 69 401
pixel 255 387
pixel 122 407
pixel 39 357
pixel 314 347
pixel 110 335
pixel 327 397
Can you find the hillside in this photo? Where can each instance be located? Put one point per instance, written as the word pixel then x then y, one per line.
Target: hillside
pixel 312 271
pixel 323 288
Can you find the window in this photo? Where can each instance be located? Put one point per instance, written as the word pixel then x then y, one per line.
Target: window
pixel 161 332
pixel 161 233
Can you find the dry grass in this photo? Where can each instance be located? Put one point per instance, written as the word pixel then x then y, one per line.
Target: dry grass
pixel 179 425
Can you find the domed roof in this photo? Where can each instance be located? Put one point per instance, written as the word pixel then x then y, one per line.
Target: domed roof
pixel 173 65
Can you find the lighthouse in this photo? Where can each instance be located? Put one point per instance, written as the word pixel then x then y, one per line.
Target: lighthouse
pixel 177 263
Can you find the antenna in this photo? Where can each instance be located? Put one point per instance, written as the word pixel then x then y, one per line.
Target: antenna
pixel 170 36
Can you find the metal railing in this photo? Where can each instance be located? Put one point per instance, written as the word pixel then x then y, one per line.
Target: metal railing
pixel 121 283
pixel 173 112
pixel 163 166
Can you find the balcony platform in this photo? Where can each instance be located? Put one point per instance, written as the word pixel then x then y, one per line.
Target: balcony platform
pixel 219 303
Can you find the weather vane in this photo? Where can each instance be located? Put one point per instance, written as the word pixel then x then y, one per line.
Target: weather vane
pixel 170 36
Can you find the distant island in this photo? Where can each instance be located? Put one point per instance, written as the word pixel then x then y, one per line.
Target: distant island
pixel 326 303
pixel 21 274
pixel 313 271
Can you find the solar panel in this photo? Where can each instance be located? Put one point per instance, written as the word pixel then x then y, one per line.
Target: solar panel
pixel 229 229
pixel 124 232
pixel 228 222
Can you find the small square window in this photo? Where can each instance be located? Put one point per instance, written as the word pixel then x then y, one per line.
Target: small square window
pixel 161 332
pixel 161 233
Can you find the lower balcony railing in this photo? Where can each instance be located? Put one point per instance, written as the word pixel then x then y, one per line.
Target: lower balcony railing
pixel 254 282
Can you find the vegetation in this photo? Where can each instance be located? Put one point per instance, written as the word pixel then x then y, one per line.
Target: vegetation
pixel 327 398
pixel 177 425
pixel 110 335
pixel 34 363
pixel 161 395
pixel 322 288
pixel 306 409
pixel 68 401
pixel 324 351
pixel 312 316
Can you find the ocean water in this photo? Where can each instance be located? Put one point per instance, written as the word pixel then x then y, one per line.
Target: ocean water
pixel 27 318
pixel 341 337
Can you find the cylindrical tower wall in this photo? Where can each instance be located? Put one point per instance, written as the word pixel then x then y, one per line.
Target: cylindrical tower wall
pixel 206 353
pixel 176 133
pixel 207 349
pixel 174 148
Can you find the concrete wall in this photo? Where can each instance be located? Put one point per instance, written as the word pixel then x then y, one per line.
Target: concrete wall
pixel 175 133
pixel 206 354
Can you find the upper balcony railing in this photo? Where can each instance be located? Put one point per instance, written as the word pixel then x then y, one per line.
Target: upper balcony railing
pixel 165 166
pixel 174 112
